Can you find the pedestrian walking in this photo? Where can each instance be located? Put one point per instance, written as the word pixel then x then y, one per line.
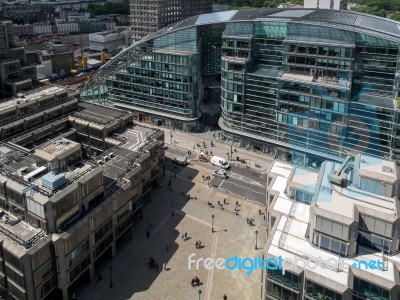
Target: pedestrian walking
pixel 164 266
pixel 224 201
pixel 183 236
pixel 148 234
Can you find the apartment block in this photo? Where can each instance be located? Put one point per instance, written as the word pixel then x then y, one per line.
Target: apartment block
pixel 70 188
pixel 343 219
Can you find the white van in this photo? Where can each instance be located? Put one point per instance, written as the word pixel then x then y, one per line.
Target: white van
pixel 220 162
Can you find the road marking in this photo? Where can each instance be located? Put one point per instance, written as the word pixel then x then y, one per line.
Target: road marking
pixel 221 183
pixel 246 188
pixel 211 272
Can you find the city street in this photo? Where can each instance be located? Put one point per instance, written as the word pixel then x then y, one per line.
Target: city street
pixel 247 183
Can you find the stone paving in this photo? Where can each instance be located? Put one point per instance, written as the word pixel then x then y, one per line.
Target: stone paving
pixel 134 279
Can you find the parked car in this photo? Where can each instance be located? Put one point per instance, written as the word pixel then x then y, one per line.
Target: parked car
pixel 221 174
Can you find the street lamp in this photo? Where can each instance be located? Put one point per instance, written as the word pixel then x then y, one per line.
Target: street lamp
pixel 212 224
pixel 256 239
pixel 227 153
pixel 172 207
pixel 111 283
pixel 199 293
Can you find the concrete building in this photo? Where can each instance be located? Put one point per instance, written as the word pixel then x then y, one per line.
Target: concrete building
pixel 67 27
pixel 110 40
pixel 78 17
pixel 71 186
pixel 343 218
pixel 302 85
pixel 42 28
pixel 61 62
pixel 326 4
pixel 23 30
pixel 96 26
pixel 149 16
pixel 15 73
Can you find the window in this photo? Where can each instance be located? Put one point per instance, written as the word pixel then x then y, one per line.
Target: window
pixel 331 228
pixel 369 291
pixel 370 224
pixel 330 244
pixel 320 292
pixel 303 196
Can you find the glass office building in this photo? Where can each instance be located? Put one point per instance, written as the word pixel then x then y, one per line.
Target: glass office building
pixel 301 85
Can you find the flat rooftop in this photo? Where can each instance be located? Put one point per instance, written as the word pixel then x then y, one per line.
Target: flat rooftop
pixel 26 175
pixel 342 200
pixel 305 180
pixel 59 146
pixel 98 114
pixel 132 140
pixel 19 231
pixel 30 96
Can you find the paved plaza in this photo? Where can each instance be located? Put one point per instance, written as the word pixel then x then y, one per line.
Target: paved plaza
pixel 132 277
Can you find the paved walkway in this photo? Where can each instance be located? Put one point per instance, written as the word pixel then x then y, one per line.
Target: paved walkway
pixel 186 141
pixel 132 276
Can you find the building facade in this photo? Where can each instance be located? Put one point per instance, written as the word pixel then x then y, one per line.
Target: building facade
pixel 149 16
pixel 67 27
pixel 15 73
pixel 41 28
pixel 329 228
pixel 110 40
pixel 64 200
pixel 23 30
pixel 318 84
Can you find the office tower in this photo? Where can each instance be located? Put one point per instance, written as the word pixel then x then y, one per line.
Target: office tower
pixel 148 16
pixel 298 85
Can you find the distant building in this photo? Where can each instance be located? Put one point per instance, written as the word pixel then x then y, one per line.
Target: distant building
pixel 109 40
pixel 326 4
pixel 55 48
pixel 23 30
pixel 289 5
pixel 220 7
pixel 67 27
pixel 42 28
pixel 95 26
pixel 148 16
pixel 15 74
pixel 61 63
pixel 73 16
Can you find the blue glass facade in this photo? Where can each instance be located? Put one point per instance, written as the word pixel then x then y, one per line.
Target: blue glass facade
pixel 298 85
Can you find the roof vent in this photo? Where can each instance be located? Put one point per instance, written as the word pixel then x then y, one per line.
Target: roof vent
pixel 386 169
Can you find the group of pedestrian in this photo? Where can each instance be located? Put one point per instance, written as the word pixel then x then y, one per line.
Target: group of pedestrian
pixel 184 236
